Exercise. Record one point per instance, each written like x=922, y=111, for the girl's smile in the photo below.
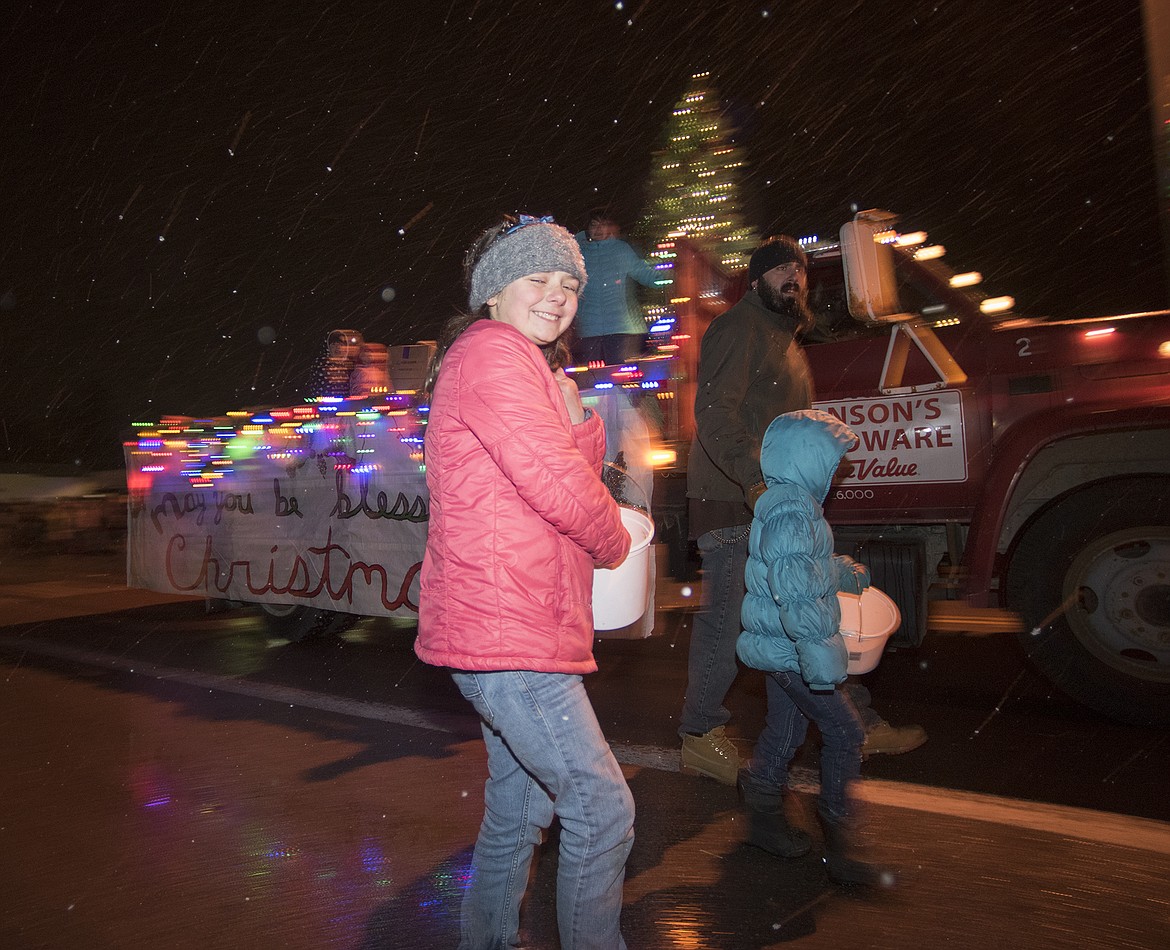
x=541, y=306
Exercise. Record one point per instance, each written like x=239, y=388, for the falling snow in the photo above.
x=196, y=195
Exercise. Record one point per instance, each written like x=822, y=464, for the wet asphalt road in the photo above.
x=177, y=778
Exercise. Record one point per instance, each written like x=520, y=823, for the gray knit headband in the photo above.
x=532, y=247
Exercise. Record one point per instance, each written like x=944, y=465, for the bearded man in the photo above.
x=751, y=369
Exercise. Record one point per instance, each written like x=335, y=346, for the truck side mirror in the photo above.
x=869, y=268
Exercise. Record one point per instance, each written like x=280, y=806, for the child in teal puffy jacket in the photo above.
x=791, y=629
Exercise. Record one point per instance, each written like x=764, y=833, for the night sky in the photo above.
x=195, y=192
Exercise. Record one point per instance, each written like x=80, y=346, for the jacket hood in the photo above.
x=804, y=448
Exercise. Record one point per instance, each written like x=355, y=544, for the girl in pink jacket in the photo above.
x=519, y=518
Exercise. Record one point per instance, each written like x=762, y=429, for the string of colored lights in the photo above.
x=349, y=434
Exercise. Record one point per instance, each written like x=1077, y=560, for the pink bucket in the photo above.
x=867, y=620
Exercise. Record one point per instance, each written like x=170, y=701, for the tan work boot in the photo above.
x=711, y=754
x=884, y=739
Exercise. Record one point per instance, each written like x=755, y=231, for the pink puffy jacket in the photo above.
x=519, y=515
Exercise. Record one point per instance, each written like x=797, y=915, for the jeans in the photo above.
x=711, y=664
x=859, y=695
x=791, y=704
x=546, y=756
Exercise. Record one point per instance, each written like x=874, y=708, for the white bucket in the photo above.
x=620, y=594
x=866, y=624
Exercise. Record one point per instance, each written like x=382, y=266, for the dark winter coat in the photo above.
x=791, y=618
x=750, y=371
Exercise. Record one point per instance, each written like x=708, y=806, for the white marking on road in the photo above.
x=1083, y=824
x=1080, y=823
x=53, y=590
x=288, y=695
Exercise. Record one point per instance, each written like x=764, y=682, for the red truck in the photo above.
x=1012, y=473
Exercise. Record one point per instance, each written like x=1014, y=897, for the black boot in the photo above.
x=768, y=828
x=841, y=864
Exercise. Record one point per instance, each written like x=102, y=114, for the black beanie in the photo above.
x=775, y=251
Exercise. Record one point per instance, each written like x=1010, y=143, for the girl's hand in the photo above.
x=571, y=396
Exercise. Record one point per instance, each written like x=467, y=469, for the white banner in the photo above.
x=904, y=439
x=304, y=517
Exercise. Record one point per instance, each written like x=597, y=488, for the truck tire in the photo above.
x=1102, y=553
x=298, y=622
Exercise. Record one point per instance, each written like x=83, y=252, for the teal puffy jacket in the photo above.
x=791, y=618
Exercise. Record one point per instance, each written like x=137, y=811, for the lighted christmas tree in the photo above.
x=694, y=184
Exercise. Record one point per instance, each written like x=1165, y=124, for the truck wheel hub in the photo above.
x=1119, y=591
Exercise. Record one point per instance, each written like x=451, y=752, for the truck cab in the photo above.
x=1012, y=474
